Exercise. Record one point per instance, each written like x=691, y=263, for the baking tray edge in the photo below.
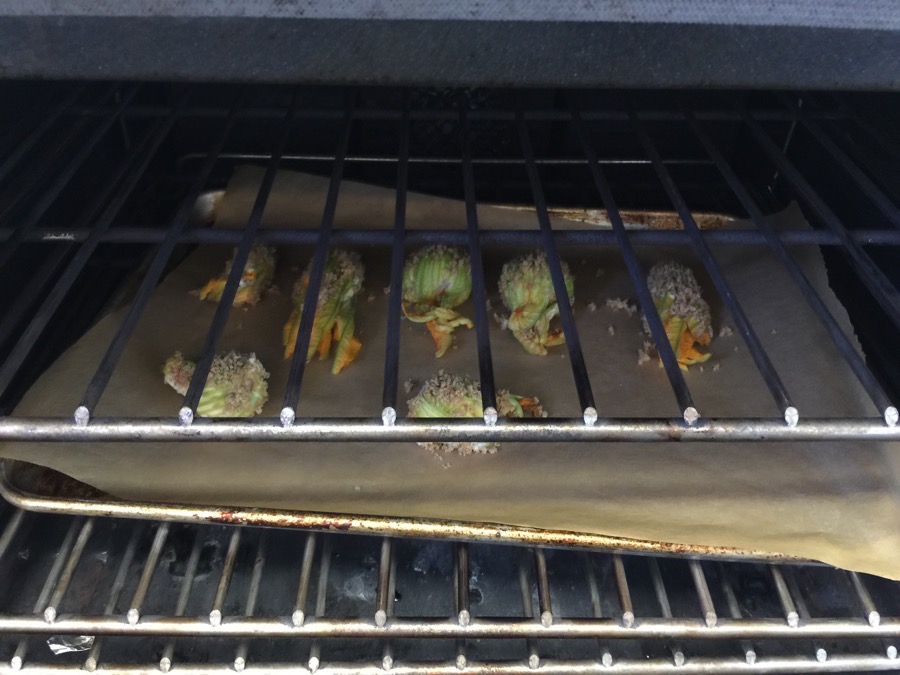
x=65, y=501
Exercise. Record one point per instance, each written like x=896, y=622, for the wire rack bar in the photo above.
x=573, y=342
x=316, y=274
x=461, y=583
x=734, y=611
x=479, y=293
x=332, y=429
x=309, y=551
x=243, y=649
x=606, y=657
x=215, y=614
x=10, y=530
x=534, y=658
x=694, y=666
x=776, y=114
x=131, y=234
x=638, y=277
x=315, y=650
x=115, y=592
x=68, y=571
x=140, y=594
x=666, y=628
x=165, y=661
x=395, y=301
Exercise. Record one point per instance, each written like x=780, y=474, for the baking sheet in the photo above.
x=835, y=502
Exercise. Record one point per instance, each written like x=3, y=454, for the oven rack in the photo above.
x=152, y=592
x=91, y=115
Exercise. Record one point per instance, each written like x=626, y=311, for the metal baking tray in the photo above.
x=36, y=488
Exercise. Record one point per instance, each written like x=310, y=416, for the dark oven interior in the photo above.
x=92, y=177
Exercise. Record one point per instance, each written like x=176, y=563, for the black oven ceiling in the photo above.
x=812, y=44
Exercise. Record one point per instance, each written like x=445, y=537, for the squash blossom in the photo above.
x=236, y=386
x=335, y=311
x=435, y=280
x=447, y=395
x=257, y=277
x=683, y=311
x=527, y=291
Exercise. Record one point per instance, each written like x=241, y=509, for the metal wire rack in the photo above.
x=90, y=118
x=157, y=596
x=134, y=597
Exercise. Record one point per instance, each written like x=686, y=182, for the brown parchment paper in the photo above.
x=835, y=502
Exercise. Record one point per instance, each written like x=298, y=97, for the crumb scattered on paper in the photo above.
x=387, y=290
x=644, y=353
x=408, y=386
x=599, y=272
x=592, y=306
x=371, y=297
x=716, y=367
x=701, y=369
x=611, y=330
x=621, y=305
x=726, y=331
x=502, y=320
x=736, y=348
x=488, y=305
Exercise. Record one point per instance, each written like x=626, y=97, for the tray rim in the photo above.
x=372, y=525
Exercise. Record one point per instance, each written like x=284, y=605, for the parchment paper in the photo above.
x=835, y=502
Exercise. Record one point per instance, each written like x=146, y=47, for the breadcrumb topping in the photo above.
x=343, y=277
x=528, y=270
x=644, y=353
x=677, y=282
x=447, y=395
x=236, y=385
x=453, y=259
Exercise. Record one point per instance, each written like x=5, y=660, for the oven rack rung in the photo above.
x=337, y=429
x=700, y=665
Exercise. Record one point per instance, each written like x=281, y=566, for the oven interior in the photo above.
x=160, y=596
